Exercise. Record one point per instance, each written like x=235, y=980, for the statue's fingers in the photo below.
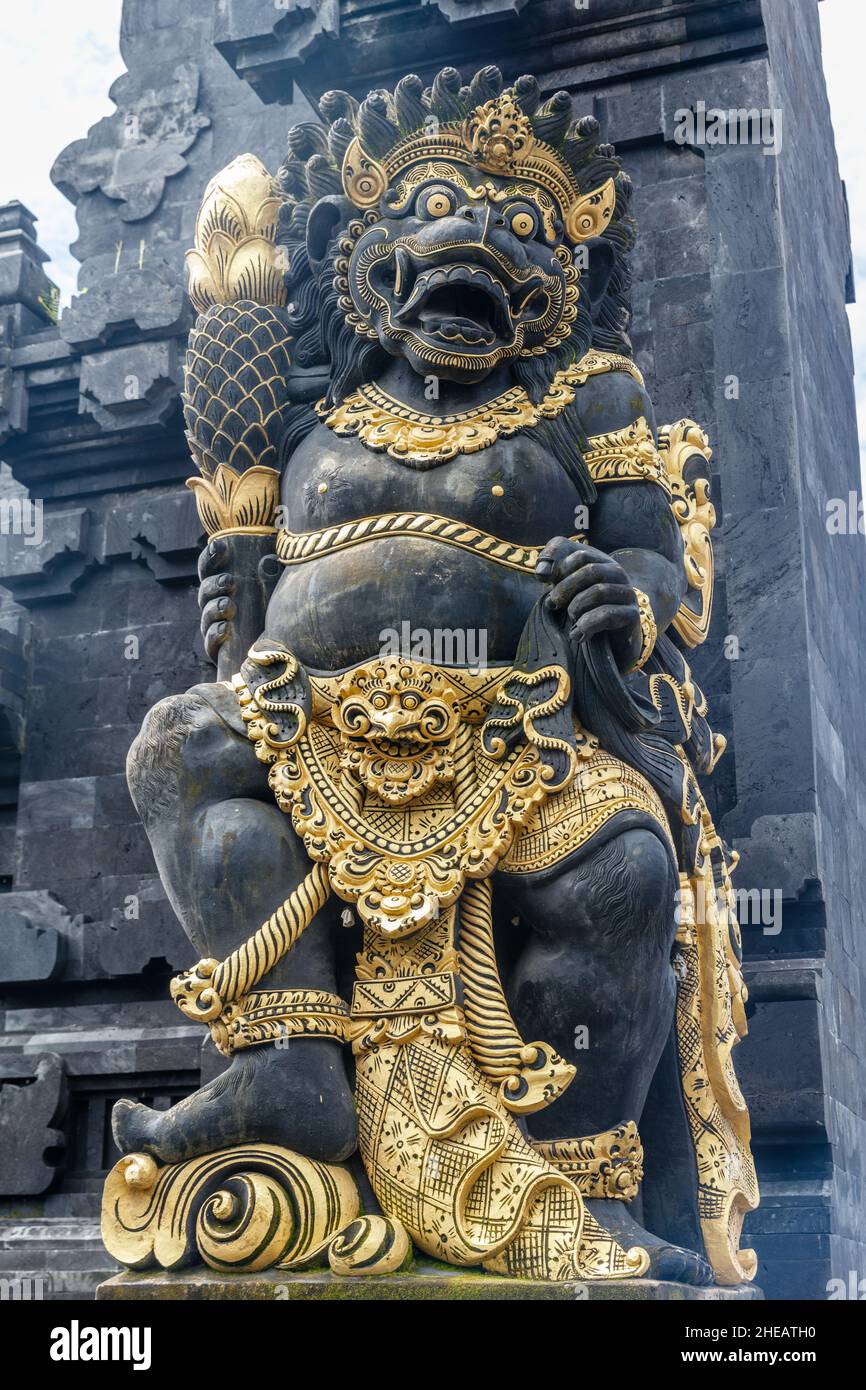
x=600, y=596
x=214, y=638
x=214, y=587
x=583, y=578
x=219, y=610
x=214, y=557
x=551, y=555
x=607, y=619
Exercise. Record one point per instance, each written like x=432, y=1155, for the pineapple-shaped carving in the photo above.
x=238, y=359
x=235, y=396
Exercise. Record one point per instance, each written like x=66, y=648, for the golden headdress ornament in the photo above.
x=496, y=137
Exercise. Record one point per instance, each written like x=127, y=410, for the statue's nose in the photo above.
x=391, y=722
x=482, y=215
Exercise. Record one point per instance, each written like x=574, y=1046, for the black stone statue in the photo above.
x=443, y=798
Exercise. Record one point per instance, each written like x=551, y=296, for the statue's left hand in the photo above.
x=237, y=575
x=596, y=594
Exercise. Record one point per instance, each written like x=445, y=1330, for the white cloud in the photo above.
x=59, y=60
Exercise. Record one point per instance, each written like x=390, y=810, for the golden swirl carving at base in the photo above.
x=247, y=1208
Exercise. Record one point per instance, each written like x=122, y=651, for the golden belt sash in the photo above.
x=295, y=547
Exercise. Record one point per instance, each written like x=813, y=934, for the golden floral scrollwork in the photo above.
x=607, y=1165
x=364, y=179
x=401, y=863
x=228, y=502
x=424, y=441
x=252, y=1207
x=498, y=135
x=384, y=423
x=626, y=456
x=679, y=445
x=235, y=254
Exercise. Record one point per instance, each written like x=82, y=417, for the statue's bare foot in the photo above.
x=670, y=1262
x=297, y=1095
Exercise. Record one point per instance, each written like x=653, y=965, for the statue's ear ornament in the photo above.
x=590, y=215
x=364, y=179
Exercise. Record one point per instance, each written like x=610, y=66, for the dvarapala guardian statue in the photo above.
x=411, y=398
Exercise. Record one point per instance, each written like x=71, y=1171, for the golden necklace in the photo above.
x=423, y=441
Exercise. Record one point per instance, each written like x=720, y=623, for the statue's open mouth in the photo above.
x=458, y=304
x=473, y=305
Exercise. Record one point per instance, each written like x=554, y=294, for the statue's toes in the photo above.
x=671, y=1262
x=130, y=1125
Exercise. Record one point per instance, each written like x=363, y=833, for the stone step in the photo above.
x=77, y=1258
x=48, y=1231
x=58, y=1257
x=61, y=1285
x=68, y=1205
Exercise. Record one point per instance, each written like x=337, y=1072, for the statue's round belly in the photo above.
x=345, y=606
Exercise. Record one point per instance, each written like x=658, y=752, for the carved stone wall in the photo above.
x=741, y=271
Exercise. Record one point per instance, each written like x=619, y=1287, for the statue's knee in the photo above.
x=650, y=863
x=155, y=765
x=634, y=886
x=622, y=889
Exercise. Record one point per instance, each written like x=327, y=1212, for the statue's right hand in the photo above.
x=216, y=594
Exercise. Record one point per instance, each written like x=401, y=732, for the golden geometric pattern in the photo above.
x=710, y=1019
x=454, y=1169
x=603, y=787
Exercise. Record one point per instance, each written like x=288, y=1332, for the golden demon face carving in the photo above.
x=460, y=270
x=399, y=724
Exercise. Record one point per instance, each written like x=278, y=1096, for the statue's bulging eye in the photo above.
x=436, y=203
x=523, y=223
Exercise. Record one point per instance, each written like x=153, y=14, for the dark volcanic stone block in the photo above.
x=31, y=947
x=32, y=1100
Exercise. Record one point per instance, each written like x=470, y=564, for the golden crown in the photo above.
x=497, y=138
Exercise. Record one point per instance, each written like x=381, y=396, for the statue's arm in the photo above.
x=629, y=578
x=634, y=525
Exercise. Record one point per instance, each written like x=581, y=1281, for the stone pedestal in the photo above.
x=425, y=1280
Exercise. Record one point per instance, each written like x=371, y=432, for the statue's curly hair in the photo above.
x=312, y=170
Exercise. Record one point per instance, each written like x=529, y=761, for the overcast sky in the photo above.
x=59, y=60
